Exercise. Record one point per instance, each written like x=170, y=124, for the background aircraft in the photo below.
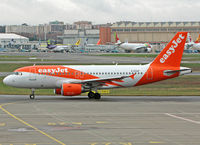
x=86, y=43
x=73, y=80
x=62, y=48
x=191, y=44
x=133, y=47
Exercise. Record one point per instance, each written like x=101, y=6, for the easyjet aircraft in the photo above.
x=74, y=80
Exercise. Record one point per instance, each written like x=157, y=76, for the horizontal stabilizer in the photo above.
x=183, y=70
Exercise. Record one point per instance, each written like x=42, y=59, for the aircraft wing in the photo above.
x=140, y=48
x=100, y=81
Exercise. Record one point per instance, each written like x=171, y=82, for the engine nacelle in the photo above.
x=57, y=91
x=149, y=50
x=71, y=89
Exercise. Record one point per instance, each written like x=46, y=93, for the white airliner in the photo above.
x=133, y=47
x=76, y=79
x=62, y=48
x=191, y=44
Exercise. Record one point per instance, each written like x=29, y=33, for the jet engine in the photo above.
x=71, y=89
x=149, y=50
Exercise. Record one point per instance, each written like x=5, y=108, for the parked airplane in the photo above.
x=135, y=47
x=62, y=48
x=76, y=79
x=98, y=43
x=191, y=43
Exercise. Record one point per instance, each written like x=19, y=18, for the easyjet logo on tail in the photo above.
x=172, y=48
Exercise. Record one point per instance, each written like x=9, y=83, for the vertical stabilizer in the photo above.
x=171, y=55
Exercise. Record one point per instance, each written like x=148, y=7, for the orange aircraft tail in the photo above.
x=99, y=42
x=198, y=39
x=171, y=55
x=167, y=64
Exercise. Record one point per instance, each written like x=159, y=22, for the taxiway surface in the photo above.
x=120, y=120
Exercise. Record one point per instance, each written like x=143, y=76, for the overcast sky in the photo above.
x=35, y=12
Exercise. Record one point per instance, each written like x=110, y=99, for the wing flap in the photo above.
x=101, y=80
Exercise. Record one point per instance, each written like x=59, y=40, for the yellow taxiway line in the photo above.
x=33, y=127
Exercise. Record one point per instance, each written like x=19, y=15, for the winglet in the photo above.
x=171, y=55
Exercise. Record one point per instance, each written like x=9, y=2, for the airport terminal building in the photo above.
x=71, y=36
x=152, y=32
x=9, y=40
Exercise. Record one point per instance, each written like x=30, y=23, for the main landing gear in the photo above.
x=92, y=95
x=32, y=96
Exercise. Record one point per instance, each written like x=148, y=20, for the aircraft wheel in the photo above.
x=32, y=96
x=97, y=96
x=91, y=95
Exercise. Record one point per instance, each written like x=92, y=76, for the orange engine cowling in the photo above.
x=71, y=89
x=57, y=91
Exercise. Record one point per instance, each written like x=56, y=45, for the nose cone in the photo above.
x=7, y=80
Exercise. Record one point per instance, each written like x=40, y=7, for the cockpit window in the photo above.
x=17, y=73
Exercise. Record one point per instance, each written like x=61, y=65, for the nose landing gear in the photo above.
x=32, y=96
